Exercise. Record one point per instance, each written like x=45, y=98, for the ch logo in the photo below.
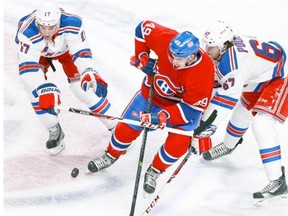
x=164, y=86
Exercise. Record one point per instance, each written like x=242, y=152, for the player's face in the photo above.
x=48, y=31
x=178, y=62
x=213, y=52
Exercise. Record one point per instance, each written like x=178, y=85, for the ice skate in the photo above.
x=55, y=142
x=150, y=178
x=101, y=162
x=219, y=150
x=275, y=189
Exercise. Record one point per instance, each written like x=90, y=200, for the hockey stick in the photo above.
x=142, y=151
x=128, y=121
x=51, y=64
x=191, y=150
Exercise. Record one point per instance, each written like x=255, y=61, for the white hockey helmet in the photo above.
x=48, y=14
x=217, y=34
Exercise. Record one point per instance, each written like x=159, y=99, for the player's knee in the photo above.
x=125, y=134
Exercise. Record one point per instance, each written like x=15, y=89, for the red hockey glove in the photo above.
x=161, y=118
x=49, y=97
x=144, y=63
x=90, y=79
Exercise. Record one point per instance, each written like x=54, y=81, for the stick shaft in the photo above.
x=128, y=121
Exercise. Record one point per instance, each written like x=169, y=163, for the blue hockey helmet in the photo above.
x=184, y=45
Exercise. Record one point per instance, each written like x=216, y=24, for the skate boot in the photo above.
x=275, y=188
x=219, y=151
x=101, y=162
x=55, y=142
x=150, y=178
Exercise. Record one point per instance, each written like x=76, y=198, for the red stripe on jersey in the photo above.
x=235, y=131
x=36, y=37
x=85, y=53
x=279, y=67
x=232, y=59
x=23, y=28
x=224, y=101
x=102, y=107
x=26, y=67
x=218, y=73
x=268, y=155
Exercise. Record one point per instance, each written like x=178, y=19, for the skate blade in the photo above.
x=271, y=200
x=146, y=195
x=57, y=149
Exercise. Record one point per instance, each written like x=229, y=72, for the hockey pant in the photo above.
x=173, y=148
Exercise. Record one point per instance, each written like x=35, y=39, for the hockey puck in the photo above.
x=75, y=172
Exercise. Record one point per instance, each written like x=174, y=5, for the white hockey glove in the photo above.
x=209, y=131
x=90, y=79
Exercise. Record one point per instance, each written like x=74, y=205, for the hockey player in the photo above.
x=48, y=34
x=254, y=84
x=183, y=85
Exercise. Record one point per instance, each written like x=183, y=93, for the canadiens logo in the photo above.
x=135, y=114
x=164, y=86
x=190, y=44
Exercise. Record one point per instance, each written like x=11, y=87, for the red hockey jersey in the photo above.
x=180, y=92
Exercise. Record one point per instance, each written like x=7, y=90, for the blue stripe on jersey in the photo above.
x=84, y=53
x=278, y=71
x=68, y=29
x=30, y=29
x=259, y=87
x=37, y=110
x=72, y=20
x=190, y=114
x=105, y=109
x=28, y=67
x=166, y=157
x=224, y=101
x=270, y=154
x=271, y=159
x=118, y=145
x=101, y=106
x=69, y=23
x=19, y=26
x=40, y=112
x=37, y=38
x=235, y=131
x=269, y=150
x=138, y=31
x=228, y=62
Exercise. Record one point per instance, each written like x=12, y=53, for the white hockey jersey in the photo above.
x=70, y=37
x=245, y=67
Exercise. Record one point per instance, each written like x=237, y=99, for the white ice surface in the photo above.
x=36, y=183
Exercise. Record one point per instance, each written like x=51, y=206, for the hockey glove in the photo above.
x=143, y=62
x=49, y=97
x=209, y=131
x=90, y=79
x=161, y=118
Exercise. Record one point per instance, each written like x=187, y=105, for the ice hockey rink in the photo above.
x=36, y=183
